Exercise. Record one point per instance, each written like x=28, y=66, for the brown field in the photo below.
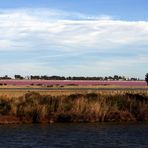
x=18, y=93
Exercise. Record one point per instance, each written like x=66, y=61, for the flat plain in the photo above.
x=16, y=88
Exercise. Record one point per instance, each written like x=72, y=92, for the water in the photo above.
x=74, y=135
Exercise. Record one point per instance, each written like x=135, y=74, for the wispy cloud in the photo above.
x=68, y=34
x=32, y=29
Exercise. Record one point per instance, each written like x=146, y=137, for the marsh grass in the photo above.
x=34, y=107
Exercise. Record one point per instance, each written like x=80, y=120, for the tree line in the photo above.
x=45, y=77
x=146, y=78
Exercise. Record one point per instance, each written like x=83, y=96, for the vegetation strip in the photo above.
x=90, y=107
x=80, y=88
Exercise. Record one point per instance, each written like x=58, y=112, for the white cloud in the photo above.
x=34, y=30
x=29, y=29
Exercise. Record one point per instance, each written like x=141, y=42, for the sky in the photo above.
x=74, y=37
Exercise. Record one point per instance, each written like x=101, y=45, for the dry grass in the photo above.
x=75, y=107
x=18, y=93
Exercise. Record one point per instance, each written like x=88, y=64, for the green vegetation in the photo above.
x=45, y=77
x=146, y=78
x=92, y=107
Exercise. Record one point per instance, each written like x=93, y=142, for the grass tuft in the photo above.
x=33, y=107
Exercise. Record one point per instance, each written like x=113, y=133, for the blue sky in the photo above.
x=74, y=37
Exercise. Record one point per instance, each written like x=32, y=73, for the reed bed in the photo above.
x=34, y=107
x=115, y=90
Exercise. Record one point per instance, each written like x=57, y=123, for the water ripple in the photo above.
x=74, y=135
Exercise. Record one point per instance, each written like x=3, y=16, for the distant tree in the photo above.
x=5, y=77
x=18, y=77
x=146, y=78
x=105, y=78
x=116, y=77
x=110, y=78
x=133, y=79
x=35, y=77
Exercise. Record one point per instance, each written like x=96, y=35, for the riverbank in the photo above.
x=90, y=107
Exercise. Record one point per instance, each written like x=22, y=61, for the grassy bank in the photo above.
x=91, y=107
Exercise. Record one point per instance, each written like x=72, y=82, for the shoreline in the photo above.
x=9, y=120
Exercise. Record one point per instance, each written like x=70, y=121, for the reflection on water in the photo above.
x=75, y=135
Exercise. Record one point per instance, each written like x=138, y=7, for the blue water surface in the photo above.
x=75, y=135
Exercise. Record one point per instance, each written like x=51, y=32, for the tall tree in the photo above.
x=146, y=78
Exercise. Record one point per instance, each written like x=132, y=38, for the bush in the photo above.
x=5, y=106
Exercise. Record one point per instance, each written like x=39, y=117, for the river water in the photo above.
x=75, y=135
